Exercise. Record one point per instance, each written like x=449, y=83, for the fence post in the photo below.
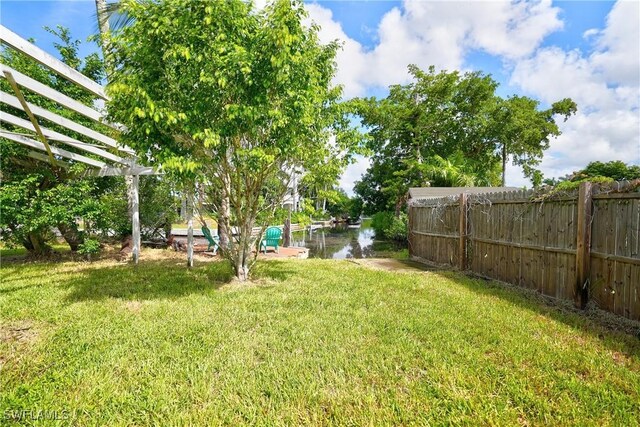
x=583, y=245
x=189, y=229
x=409, y=226
x=462, y=242
x=135, y=217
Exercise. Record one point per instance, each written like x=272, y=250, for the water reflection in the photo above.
x=343, y=242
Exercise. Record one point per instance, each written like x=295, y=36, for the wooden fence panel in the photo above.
x=533, y=243
x=615, y=257
x=435, y=233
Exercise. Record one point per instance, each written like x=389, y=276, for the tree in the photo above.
x=232, y=97
x=450, y=129
x=615, y=169
x=441, y=114
x=523, y=132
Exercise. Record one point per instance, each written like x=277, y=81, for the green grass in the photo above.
x=19, y=251
x=308, y=342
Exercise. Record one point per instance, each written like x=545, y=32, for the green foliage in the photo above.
x=600, y=172
x=355, y=207
x=38, y=202
x=281, y=214
x=233, y=97
x=158, y=207
x=523, y=132
x=89, y=248
x=573, y=185
x=617, y=170
x=390, y=226
x=380, y=221
x=399, y=228
x=339, y=205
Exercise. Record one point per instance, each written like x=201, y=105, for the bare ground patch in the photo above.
x=16, y=338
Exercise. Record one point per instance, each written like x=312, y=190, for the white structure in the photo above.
x=123, y=163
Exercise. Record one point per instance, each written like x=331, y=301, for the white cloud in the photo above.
x=435, y=33
x=604, y=82
x=553, y=74
x=354, y=173
x=619, y=45
x=350, y=59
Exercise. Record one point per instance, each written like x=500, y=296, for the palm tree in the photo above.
x=449, y=172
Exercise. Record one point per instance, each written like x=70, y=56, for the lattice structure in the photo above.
x=104, y=154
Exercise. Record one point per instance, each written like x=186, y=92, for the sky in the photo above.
x=585, y=50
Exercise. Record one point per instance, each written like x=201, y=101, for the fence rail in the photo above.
x=581, y=246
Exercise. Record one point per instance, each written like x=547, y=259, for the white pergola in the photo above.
x=119, y=161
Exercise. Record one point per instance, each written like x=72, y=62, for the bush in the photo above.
x=387, y=225
x=399, y=228
x=89, y=247
x=281, y=214
x=380, y=221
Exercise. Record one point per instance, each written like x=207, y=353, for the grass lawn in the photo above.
x=307, y=342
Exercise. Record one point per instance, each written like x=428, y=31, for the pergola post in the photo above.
x=135, y=218
x=189, y=229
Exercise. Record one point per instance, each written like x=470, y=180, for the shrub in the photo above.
x=380, y=221
x=387, y=225
x=89, y=247
x=398, y=229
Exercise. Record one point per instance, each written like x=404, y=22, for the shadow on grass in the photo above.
x=273, y=269
x=616, y=333
x=160, y=279
x=148, y=280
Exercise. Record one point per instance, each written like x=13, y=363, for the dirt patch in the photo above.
x=390, y=264
x=133, y=306
x=15, y=339
x=22, y=332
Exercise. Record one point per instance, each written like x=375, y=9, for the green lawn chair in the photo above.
x=214, y=241
x=271, y=238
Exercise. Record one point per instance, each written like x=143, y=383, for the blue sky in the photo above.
x=586, y=50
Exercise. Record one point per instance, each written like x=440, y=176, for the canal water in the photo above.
x=342, y=242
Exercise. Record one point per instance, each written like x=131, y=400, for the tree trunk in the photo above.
x=504, y=163
x=183, y=206
x=36, y=244
x=224, y=221
x=287, y=231
x=243, y=252
x=103, y=25
x=71, y=235
x=242, y=269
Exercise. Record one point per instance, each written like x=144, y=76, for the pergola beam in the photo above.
x=64, y=122
x=17, y=80
x=114, y=171
x=53, y=135
x=42, y=157
x=20, y=139
x=29, y=49
x=32, y=118
x=54, y=95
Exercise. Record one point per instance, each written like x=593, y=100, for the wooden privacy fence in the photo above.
x=581, y=245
